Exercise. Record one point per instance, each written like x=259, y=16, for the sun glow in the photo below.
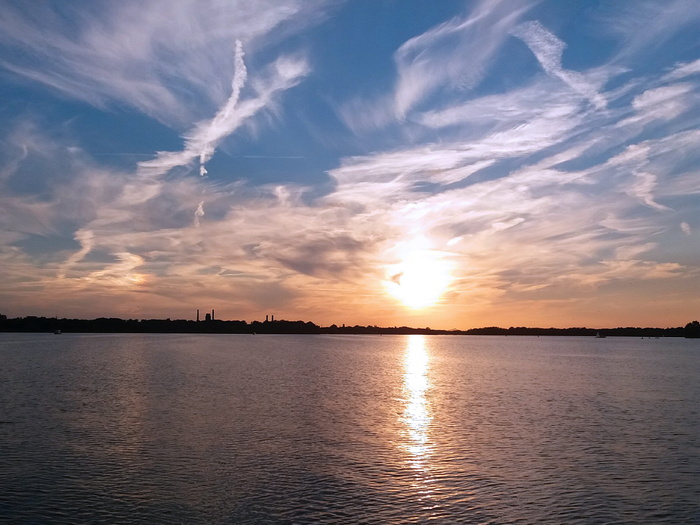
x=420, y=280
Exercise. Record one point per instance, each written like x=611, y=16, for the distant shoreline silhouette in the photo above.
x=217, y=326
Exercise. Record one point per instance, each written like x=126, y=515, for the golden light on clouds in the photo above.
x=439, y=192
x=121, y=274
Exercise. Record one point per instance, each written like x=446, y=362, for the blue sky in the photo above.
x=444, y=164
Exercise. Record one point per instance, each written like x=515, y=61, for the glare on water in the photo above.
x=416, y=416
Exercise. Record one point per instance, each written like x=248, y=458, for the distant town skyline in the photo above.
x=449, y=164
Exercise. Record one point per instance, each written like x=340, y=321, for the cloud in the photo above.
x=120, y=273
x=198, y=214
x=85, y=238
x=504, y=110
x=549, y=49
x=643, y=188
x=659, y=103
x=682, y=71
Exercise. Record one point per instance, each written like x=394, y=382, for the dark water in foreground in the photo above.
x=348, y=429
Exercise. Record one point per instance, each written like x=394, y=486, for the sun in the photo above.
x=420, y=280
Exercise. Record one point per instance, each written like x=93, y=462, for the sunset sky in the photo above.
x=450, y=164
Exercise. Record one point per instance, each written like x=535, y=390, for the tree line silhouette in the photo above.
x=116, y=325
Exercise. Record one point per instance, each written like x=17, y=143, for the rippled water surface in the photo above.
x=348, y=429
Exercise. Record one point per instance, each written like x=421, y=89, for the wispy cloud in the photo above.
x=549, y=49
x=437, y=57
x=643, y=27
x=129, y=53
x=683, y=70
x=437, y=61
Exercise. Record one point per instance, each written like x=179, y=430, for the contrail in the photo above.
x=202, y=140
x=221, y=125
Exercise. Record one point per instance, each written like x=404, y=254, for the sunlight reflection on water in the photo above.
x=417, y=415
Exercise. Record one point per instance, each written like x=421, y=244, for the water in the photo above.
x=348, y=429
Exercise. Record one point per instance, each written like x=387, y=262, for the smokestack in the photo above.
x=197, y=314
x=266, y=318
x=272, y=317
x=212, y=314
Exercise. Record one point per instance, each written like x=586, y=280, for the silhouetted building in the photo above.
x=207, y=317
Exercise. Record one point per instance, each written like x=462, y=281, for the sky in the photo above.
x=449, y=164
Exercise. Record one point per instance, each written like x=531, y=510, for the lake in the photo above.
x=153, y=428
